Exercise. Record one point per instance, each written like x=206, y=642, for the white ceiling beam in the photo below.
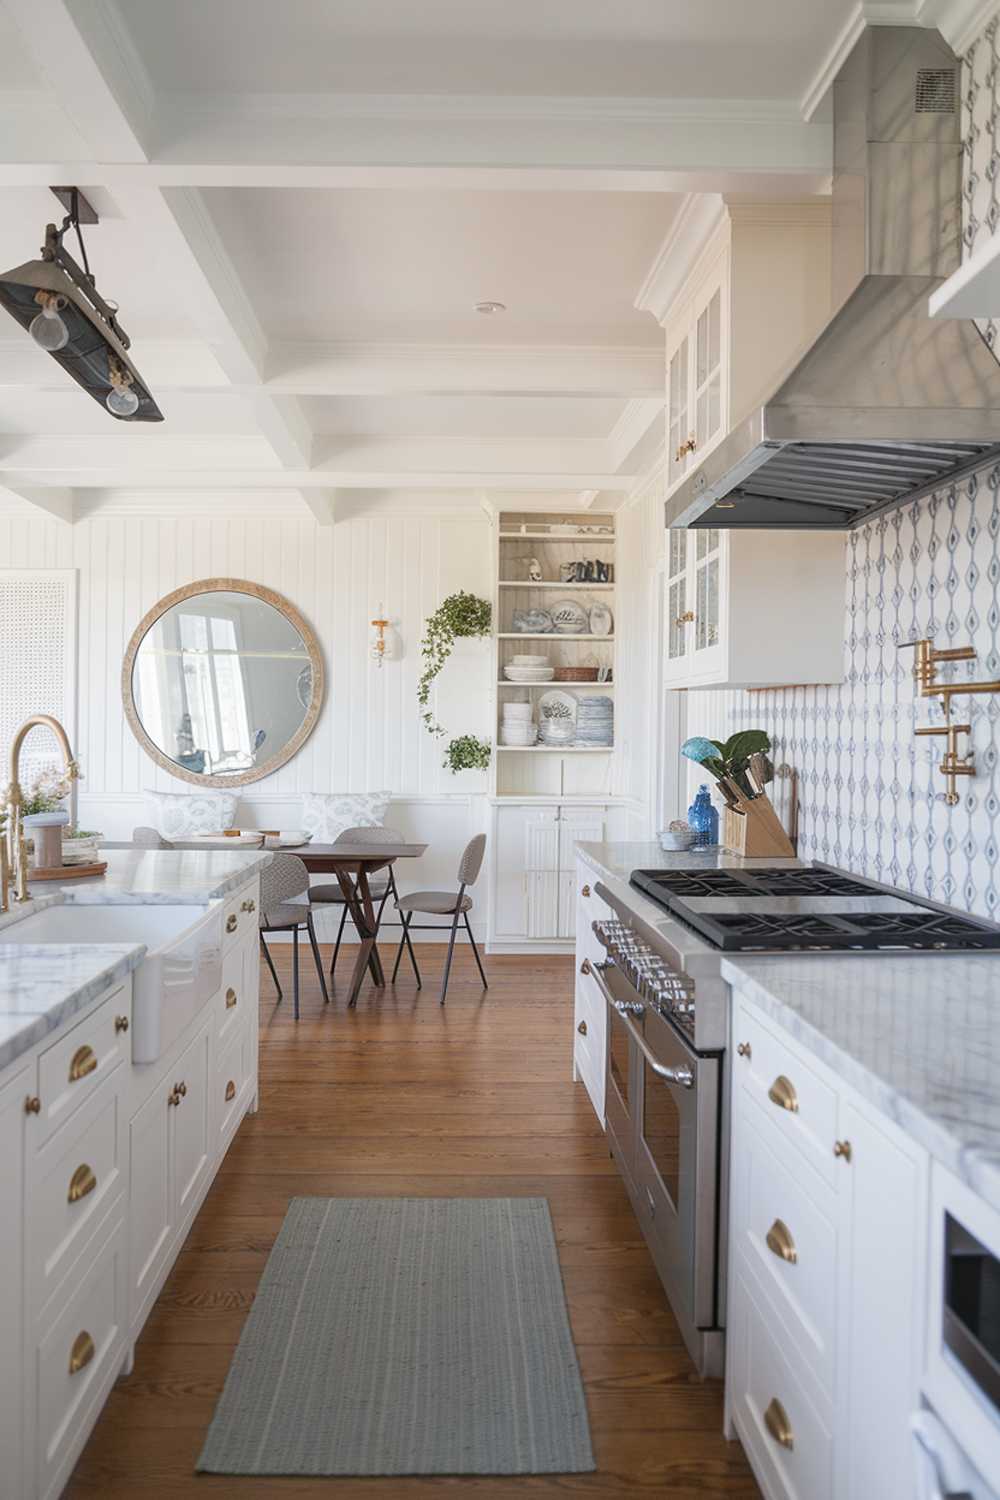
x=56, y=502
x=321, y=503
x=144, y=475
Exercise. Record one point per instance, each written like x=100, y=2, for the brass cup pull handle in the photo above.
x=230, y=1091
x=173, y=1098
x=248, y=905
x=782, y=1093
x=686, y=618
x=182, y=1088
x=842, y=1148
x=81, y=1183
x=84, y=1061
x=231, y=922
x=585, y=890
x=121, y=1023
x=779, y=1241
x=585, y=966
x=81, y=1353
x=32, y=1105
x=230, y=998
x=777, y=1423
x=744, y=1050
x=582, y=1028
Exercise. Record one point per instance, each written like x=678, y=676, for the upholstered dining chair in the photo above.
x=454, y=904
x=381, y=886
x=280, y=882
x=148, y=838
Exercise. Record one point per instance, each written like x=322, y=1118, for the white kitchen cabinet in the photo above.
x=698, y=340
x=753, y=608
x=151, y=1202
x=827, y=1275
x=589, y=1010
x=534, y=880
x=14, y=1412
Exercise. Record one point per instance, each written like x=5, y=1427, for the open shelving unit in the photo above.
x=561, y=771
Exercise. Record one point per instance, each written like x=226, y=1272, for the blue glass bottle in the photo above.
x=704, y=819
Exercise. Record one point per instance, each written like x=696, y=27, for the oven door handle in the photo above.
x=683, y=1077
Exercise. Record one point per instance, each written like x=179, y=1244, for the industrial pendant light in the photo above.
x=58, y=303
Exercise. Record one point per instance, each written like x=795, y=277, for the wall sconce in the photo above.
x=384, y=639
x=926, y=661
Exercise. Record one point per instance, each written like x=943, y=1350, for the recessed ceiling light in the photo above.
x=489, y=308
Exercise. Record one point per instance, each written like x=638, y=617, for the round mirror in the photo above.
x=222, y=682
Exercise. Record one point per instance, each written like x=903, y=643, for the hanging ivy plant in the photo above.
x=460, y=615
x=468, y=754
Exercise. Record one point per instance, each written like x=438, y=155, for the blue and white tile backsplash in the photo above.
x=869, y=790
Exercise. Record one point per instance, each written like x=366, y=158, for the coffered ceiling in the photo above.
x=300, y=205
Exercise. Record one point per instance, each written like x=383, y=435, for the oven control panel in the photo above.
x=654, y=981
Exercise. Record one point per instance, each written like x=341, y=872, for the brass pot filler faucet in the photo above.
x=926, y=660
x=13, y=848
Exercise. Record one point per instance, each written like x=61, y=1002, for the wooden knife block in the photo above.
x=756, y=831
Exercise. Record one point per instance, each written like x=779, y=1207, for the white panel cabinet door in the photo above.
x=883, y=1294
x=525, y=837
x=151, y=1211
x=191, y=1141
x=13, y=1389
x=577, y=825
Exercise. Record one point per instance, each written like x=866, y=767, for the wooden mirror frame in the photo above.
x=228, y=586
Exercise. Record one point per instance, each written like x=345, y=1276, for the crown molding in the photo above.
x=698, y=218
x=783, y=213
x=960, y=22
x=888, y=13
x=637, y=416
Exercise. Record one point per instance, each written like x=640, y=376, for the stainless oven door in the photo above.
x=671, y=1116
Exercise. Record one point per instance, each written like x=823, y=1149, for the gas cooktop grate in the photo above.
x=685, y=883
x=743, y=931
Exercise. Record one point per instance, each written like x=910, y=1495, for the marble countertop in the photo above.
x=151, y=877
x=44, y=984
x=917, y=1035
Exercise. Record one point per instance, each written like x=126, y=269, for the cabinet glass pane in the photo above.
x=618, y=1055
x=676, y=628
x=678, y=419
x=677, y=556
x=708, y=370
x=707, y=606
x=661, y=1130
x=707, y=541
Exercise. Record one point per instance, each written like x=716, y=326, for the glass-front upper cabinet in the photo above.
x=678, y=616
x=697, y=372
x=694, y=624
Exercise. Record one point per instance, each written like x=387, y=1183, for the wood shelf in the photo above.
x=551, y=635
x=545, y=687
x=555, y=749
x=569, y=588
x=578, y=539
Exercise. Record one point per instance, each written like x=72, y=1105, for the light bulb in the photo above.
x=49, y=331
x=122, y=401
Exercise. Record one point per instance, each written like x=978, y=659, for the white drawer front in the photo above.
x=240, y=916
x=71, y=1069
x=770, y=1072
x=75, y=1180
x=233, y=1004
x=767, y=1390
x=74, y=1357
x=229, y=1083
x=790, y=1245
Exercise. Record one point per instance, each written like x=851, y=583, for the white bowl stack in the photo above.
x=528, y=669
x=517, y=727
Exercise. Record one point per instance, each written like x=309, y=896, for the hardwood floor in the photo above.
x=401, y=1096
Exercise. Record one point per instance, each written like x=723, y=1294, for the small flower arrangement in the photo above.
x=50, y=787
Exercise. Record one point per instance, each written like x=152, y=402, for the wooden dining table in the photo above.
x=353, y=864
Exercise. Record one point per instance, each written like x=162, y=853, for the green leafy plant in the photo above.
x=460, y=615
x=467, y=753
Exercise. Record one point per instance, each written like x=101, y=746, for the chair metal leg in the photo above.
x=482, y=973
x=447, y=962
x=295, y=970
x=316, y=958
x=407, y=942
x=270, y=965
x=340, y=934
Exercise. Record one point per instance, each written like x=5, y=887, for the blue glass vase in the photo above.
x=704, y=819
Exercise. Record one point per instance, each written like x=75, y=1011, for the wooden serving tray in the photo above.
x=66, y=872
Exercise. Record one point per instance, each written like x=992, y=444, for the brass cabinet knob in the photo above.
x=231, y=922
x=686, y=618
x=782, y=1093
x=32, y=1105
x=84, y=1061
x=121, y=1023
x=173, y=1098
x=585, y=966
x=230, y=998
x=842, y=1148
x=777, y=1423
x=81, y=1353
x=585, y=890
x=744, y=1050
x=230, y=1090
x=177, y=1093
x=248, y=905
x=82, y=1183
x=780, y=1243
x=182, y=1088
x=582, y=1028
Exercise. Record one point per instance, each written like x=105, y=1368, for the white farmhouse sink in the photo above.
x=181, y=971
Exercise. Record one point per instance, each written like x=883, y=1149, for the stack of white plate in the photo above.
x=595, y=721
x=516, y=727
x=529, y=669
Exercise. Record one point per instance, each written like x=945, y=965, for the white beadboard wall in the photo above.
x=369, y=733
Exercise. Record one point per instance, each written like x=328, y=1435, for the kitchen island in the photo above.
x=125, y=1070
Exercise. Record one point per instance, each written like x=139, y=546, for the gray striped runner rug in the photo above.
x=405, y=1336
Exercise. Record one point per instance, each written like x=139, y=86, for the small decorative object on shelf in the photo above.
x=569, y=618
x=534, y=570
x=601, y=620
x=531, y=621
x=703, y=820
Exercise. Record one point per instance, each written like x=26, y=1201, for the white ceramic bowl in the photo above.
x=529, y=661
x=672, y=842
x=517, y=713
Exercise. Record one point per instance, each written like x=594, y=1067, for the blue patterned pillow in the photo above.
x=326, y=815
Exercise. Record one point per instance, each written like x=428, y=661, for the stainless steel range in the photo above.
x=668, y=1015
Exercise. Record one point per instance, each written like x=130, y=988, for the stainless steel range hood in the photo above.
x=887, y=404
